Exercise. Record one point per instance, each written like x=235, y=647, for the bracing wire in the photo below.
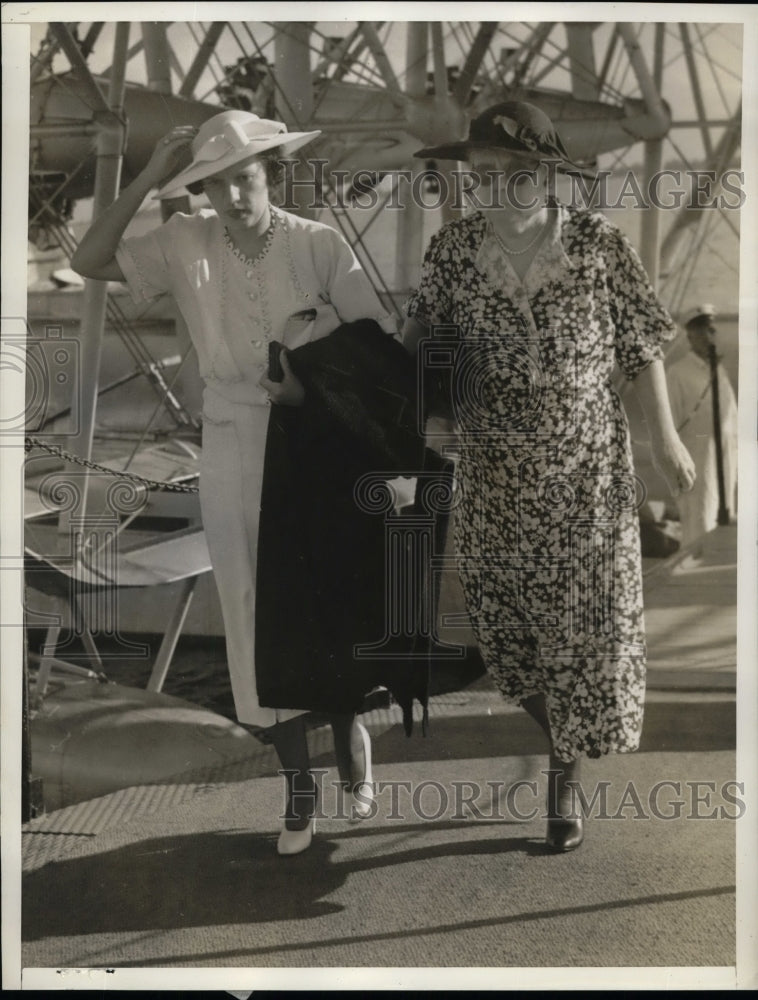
x=342, y=221
x=133, y=343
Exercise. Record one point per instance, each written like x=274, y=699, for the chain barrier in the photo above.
x=151, y=484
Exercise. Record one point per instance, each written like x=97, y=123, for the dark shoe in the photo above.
x=565, y=824
x=564, y=834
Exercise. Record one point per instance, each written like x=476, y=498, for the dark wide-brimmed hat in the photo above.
x=515, y=126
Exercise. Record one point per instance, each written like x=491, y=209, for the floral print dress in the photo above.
x=546, y=526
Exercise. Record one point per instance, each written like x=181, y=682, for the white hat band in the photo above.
x=235, y=138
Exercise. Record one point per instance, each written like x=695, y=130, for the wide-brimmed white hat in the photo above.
x=227, y=139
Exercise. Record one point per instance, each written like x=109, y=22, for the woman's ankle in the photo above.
x=302, y=796
x=343, y=730
x=561, y=790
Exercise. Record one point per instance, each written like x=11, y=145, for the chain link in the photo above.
x=151, y=484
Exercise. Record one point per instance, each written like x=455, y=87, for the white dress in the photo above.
x=689, y=385
x=233, y=310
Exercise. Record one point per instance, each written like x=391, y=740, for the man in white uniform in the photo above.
x=691, y=397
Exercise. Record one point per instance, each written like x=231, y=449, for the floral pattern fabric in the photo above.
x=546, y=527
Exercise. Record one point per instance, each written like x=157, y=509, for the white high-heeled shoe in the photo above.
x=363, y=790
x=296, y=841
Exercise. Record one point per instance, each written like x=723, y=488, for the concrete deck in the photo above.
x=451, y=873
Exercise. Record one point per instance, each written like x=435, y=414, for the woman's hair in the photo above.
x=274, y=173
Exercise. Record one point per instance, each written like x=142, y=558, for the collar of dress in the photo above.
x=550, y=263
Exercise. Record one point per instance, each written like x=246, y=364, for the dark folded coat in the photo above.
x=321, y=578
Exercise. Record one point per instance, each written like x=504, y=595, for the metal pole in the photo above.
x=294, y=95
x=474, y=60
x=131, y=53
x=650, y=88
x=369, y=32
x=76, y=130
x=723, y=514
x=650, y=92
x=158, y=65
x=697, y=94
x=650, y=225
x=438, y=61
x=157, y=56
x=68, y=43
x=294, y=101
x=650, y=238
x=336, y=55
x=410, y=223
x=691, y=213
x=441, y=99
x=110, y=146
x=91, y=37
x=584, y=83
x=171, y=636
x=42, y=62
x=201, y=59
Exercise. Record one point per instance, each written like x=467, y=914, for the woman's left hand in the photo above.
x=288, y=392
x=674, y=463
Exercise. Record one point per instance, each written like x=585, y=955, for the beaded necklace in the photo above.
x=517, y=253
x=252, y=261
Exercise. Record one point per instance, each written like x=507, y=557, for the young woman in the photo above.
x=244, y=274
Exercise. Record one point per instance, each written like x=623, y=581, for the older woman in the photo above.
x=244, y=274
x=543, y=300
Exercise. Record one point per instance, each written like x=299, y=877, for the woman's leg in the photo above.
x=348, y=748
x=535, y=706
x=560, y=795
x=291, y=745
x=352, y=748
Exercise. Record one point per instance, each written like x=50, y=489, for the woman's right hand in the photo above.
x=170, y=154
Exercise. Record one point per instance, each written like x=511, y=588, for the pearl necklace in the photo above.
x=517, y=253
x=252, y=261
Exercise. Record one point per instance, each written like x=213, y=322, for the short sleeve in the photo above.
x=144, y=266
x=345, y=281
x=145, y=260
x=642, y=324
x=431, y=303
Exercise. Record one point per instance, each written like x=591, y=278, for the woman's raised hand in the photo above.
x=170, y=154
x=95, y=257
